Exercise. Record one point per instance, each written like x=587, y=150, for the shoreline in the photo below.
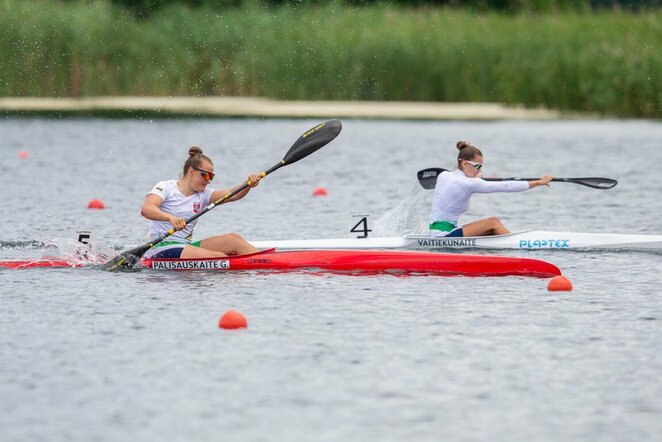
x=269, y=108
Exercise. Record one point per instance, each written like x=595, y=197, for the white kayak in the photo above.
x=524, y=240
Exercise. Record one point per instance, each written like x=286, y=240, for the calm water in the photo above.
x=90, y=355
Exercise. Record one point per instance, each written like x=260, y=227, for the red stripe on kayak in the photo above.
x=27, y=264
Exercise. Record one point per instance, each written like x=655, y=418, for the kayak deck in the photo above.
x=524, y=240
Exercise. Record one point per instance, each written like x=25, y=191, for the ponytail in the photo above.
x=466, y=151
x=195, y=157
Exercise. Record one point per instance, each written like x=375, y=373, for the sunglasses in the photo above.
x=476, y=165
x=209, y=176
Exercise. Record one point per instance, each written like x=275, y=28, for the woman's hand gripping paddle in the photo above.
x=311, y=141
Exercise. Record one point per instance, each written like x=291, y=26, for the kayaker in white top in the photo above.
x=454, y=189
x=171, y=202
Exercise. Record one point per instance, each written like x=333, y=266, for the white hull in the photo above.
x=525, y=240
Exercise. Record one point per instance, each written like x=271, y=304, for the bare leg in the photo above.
x=484, y=227
x=192, y=252
x=229, y=244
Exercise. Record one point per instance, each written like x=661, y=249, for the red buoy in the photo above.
x=319, y=191
x=232, y=319
x=23, y=154
x=559, y=284
x=96, y=204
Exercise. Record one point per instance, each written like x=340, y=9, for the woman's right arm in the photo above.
x=481, y=186
x=541, y=182
x=152, y=210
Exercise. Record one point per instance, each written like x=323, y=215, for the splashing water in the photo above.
x=68, y=249
x=410, y=216
x=85, y=254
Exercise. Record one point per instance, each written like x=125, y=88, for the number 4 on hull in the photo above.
x=362, y=223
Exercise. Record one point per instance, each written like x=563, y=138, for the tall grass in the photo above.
x=607, y=62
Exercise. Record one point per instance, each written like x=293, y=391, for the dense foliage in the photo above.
x=144, y=8
x=608, y=62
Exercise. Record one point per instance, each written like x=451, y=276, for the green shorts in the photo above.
x=171, y=243
x=444, y=226
x=169, y=249
x=448, y=228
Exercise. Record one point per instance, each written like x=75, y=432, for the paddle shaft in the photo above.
x=130, y=257
x=561, y=180
x=428, y=179
x=218, y=202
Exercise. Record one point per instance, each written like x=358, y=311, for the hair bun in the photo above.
x=462, y=144
x=194, y=150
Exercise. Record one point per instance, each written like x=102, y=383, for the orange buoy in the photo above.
x=559, y=284
x=23, y=154
x=320, y=191
x=232, y=319
x=96, y=204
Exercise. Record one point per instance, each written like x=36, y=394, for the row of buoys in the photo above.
x=93, y=204
x=232, y=319
x=98, y=204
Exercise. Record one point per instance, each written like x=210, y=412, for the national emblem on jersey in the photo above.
x=196, y=207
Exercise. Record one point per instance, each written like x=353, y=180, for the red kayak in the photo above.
x=371, y=261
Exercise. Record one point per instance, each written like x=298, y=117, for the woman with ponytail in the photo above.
x=171, y=202
x=453, y=192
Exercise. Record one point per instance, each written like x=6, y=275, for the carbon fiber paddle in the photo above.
x=428, y=179
x=311, y=141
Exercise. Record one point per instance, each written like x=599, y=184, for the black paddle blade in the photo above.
x=594, y=182
x=428, y=177
x=126, y=260
x=313, y=140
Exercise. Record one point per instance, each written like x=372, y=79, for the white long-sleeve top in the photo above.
x=454, y=189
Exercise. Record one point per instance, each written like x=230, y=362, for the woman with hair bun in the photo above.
x=171, y=202
x=453, y=193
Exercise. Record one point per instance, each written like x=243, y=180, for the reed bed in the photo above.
x=607, y=62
